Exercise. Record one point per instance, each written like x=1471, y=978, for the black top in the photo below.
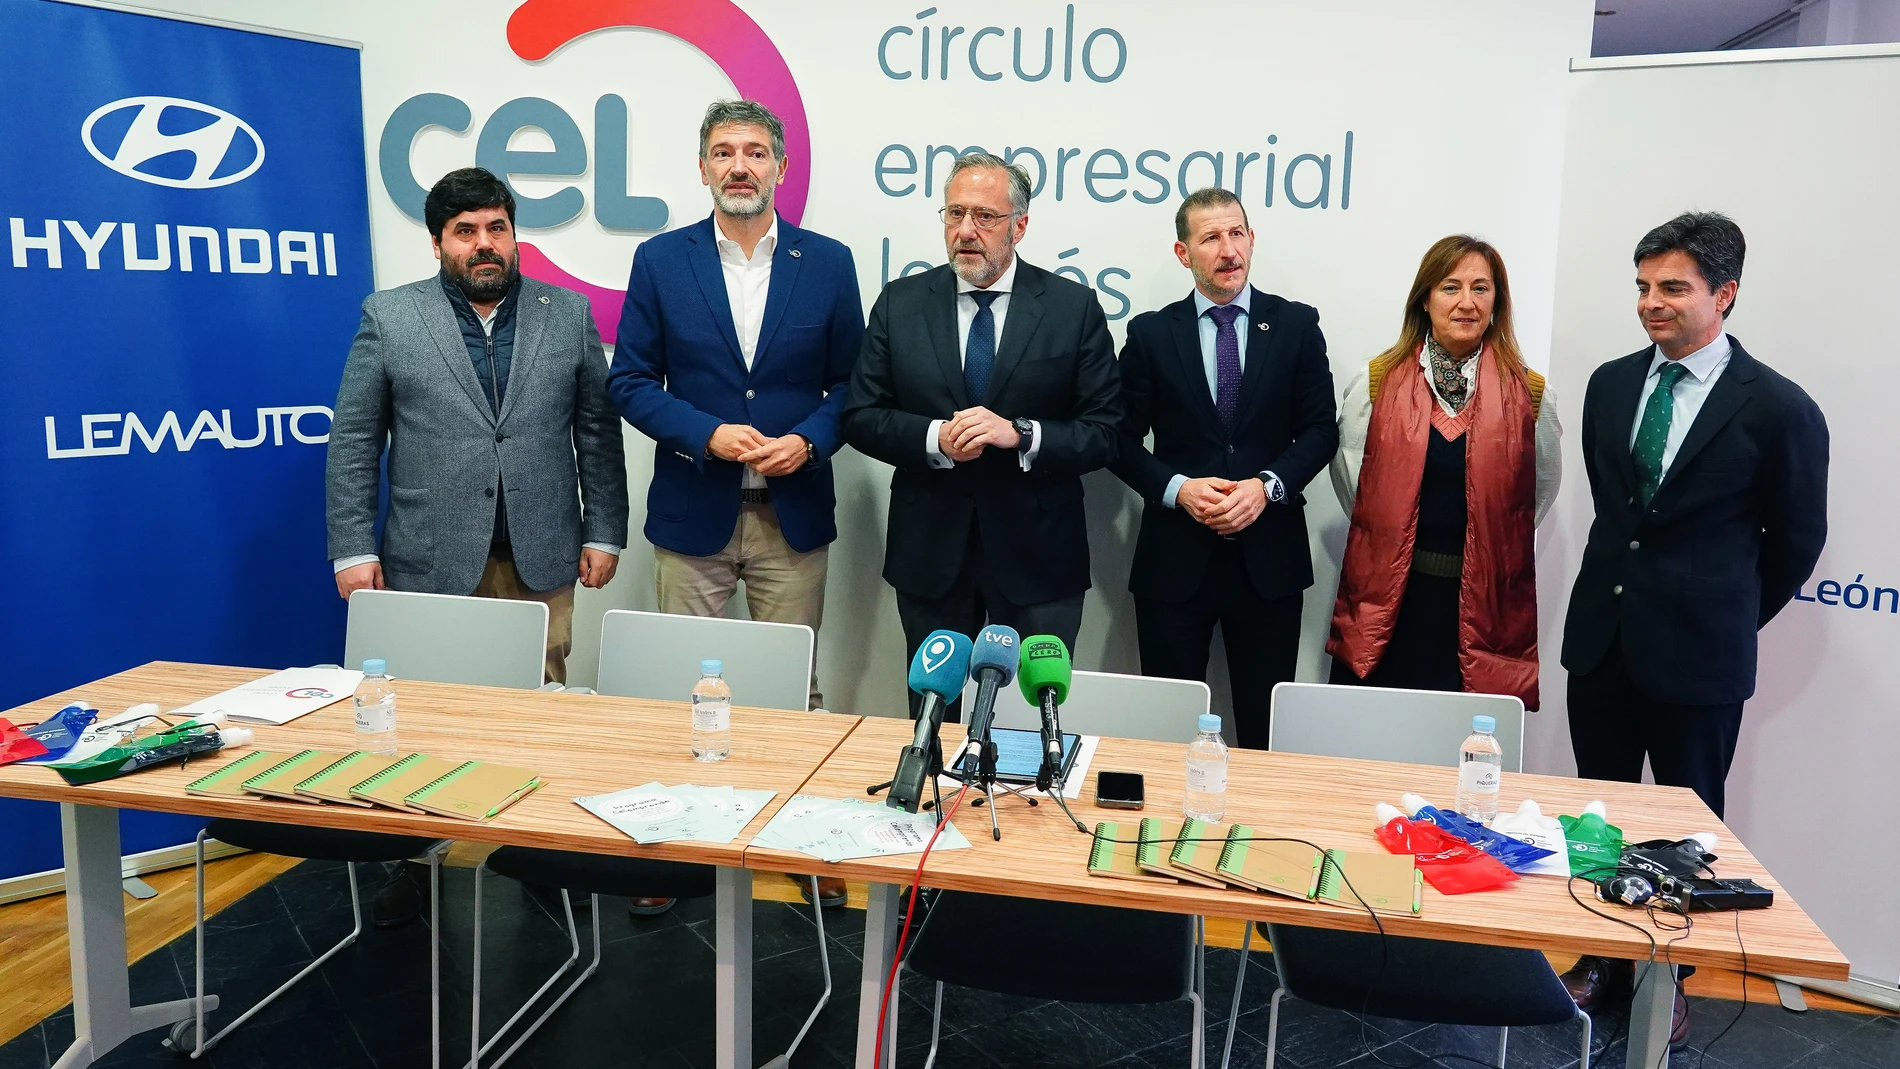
x=1441, y=496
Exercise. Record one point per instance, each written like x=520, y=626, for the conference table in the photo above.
x=579, y=744
x=589, y=744
x=1328, y=801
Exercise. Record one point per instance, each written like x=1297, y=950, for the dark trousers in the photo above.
x=1262, y=636
x=1614, y=725
x=972, y=601
x=1422, y=652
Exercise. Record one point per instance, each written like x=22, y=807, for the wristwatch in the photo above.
x=811, y=451
x=1026, y=432
x=1276, y=490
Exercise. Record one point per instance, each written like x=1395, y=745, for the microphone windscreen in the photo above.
x=1045, y=663
x=996, y=647
x=941, y=665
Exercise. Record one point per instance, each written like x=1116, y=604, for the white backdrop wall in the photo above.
x=1420, y=120
x=1796, y=153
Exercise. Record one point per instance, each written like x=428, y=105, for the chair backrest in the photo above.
x=446, y=639
x=657, y=655
x=1105, y=703
x=1421, y=727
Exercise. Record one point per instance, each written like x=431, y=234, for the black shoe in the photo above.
x=648, y=907
x=400, y=900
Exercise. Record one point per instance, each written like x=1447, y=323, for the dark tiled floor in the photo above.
x=651, y=1005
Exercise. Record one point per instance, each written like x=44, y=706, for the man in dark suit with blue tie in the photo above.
x=991, y=386
x=1235, y=385
x=735, y=347
x=1709, y=474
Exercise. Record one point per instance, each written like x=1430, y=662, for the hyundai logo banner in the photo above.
x=184, y=254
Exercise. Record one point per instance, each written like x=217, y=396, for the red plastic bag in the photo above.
x=16, y=744
x=1450, y=864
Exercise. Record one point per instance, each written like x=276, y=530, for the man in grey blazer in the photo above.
x=506, y=477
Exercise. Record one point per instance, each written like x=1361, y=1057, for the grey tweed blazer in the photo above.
x=555, y=448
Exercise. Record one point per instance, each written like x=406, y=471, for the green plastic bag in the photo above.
x=1596, y=845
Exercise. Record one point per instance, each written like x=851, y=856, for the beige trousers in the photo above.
x=782, y=585
x=500, y=580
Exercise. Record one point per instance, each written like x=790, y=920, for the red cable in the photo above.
x=897, y=956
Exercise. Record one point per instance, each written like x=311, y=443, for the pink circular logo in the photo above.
x=727, y=36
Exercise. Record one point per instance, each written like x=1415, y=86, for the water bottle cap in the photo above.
x=711, y=667
x=1210, y=722
x=375, y=666
x=1486, y=724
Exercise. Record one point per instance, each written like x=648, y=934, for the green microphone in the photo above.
x=1044, y=674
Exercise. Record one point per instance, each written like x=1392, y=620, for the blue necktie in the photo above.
x=1226, y=364
x=979, y=353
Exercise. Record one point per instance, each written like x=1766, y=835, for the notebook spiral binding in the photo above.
x=1102, y=850
x=374, y=781
x=439, y=780
x=291, y=760
x=235, y=766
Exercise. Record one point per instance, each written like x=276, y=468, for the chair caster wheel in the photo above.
x=183, y=1038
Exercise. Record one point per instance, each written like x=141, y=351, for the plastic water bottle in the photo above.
x=375, y=701
x=712, y=713
x=1206, y=797
x=1480, y=760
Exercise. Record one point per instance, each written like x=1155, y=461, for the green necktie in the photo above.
x=1653, y=435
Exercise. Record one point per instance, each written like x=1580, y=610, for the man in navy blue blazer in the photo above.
x=735, y=349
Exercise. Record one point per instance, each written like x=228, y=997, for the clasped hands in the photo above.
x=1225, y=506
x=767, y=456
x=963, y=436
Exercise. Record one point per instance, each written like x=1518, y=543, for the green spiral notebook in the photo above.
x=1157, y=843
x=280, y=780
x=393, y=785
x=1197, y=851
x=228, y=781
x=474, y=790
x=333, y=784
x=1252, y=858
x=1385, y=883
x=1113, y=854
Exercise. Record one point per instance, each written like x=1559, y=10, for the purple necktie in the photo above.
x=1226, y=365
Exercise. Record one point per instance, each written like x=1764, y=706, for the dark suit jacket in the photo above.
x=1286, y=424
x=1732, y=533
x=678, y=373
x=1055, y=363
x=410, y=398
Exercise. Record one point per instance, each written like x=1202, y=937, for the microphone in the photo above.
x=1044, y=679
x=937, y=672
x=993, y=666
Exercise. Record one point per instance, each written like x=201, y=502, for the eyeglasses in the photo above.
x=954, y=214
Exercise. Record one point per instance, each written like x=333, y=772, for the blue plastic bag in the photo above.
x=59, y=732
x=1515, y=853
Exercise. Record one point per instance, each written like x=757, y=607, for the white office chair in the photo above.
x=1111, y=704
x=439, y=638
x=1172, y=949
x=654, y=655
x=1421, y=727
x=433, y=637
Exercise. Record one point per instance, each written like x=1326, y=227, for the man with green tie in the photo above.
x=1708, y=470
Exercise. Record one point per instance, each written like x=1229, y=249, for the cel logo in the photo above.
x=537, y=30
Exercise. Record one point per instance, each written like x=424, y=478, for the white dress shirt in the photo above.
x=1355, y=423
x=488, y=327
x=966, y=315
x=1704, y=366
x=1210, y=366
x=748, y=280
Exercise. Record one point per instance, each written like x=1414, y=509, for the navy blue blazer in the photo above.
x=678, y=374
x=1732, y=533
x=1287, y=424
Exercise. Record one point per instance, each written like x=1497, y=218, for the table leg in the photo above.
x=732, y=936
x=880, y=945
x=103, y=1014
x=1652, y=1009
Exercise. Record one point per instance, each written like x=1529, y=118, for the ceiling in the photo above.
x=1642, y=27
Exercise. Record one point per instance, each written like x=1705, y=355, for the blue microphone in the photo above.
x=993, y=662
x=937, y=672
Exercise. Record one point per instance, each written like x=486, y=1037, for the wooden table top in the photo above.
x=580, y=744
x=1328, y=801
